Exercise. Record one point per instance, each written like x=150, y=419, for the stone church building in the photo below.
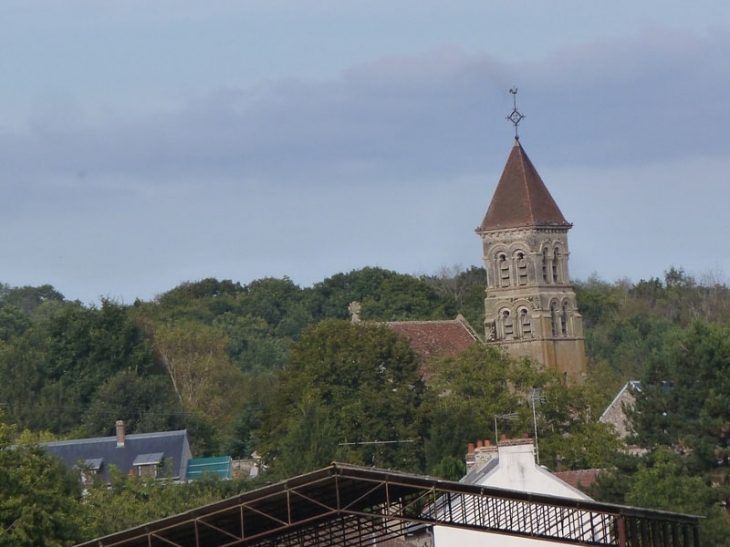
x=530, y=305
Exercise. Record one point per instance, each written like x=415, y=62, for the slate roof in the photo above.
x=442, y=338
x=521, y=198
x=101, y=452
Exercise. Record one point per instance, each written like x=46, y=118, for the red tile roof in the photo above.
x=436, y=337
x=580, y=479
x=521, y=198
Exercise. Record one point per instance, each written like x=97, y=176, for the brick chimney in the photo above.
x=481, y=455
x=120, y=433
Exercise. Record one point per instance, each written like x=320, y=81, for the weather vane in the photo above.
x=515, y=117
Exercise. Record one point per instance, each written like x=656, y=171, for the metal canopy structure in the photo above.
x=345, y=505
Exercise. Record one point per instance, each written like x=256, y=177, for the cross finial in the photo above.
x=515, y=117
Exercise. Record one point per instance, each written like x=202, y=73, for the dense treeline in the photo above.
x=277, y=368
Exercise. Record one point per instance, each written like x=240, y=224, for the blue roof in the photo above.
x=101, y=452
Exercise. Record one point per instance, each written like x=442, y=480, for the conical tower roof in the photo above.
x=521, y=198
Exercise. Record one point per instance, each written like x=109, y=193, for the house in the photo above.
x=160, y=454
x=510, y=465
x=615, y=414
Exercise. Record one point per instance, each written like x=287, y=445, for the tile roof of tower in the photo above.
x=521, y=198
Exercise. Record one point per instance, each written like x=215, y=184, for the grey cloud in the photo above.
x=442, y=112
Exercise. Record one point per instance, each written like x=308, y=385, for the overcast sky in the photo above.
x=145, y=143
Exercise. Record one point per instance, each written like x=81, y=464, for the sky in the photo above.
x=144, y=144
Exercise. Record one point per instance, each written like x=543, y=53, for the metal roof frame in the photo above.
x=346, y=505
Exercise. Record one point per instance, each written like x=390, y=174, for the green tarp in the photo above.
x=220, y=466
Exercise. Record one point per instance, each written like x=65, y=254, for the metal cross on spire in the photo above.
x=515, y=117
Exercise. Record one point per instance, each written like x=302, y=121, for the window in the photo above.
x=554, y=318
x=545, y=265
x=525, y=323
x=509, y=332
x=503, y=270
x=564, y=320
x=556, y=266
x=147, y=465
x=521, y=269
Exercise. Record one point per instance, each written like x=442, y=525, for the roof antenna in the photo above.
x=515, y=117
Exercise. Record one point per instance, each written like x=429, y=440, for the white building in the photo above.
x=509, y=466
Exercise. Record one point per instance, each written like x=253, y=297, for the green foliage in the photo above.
x=451, y=468
x=663, y=482
x=465, y=287
x=134, y=501
x=28, y=299
x=469, y=390
x=252, y=343
x=346, y=383
x=87, y=346
x=13, y=322
x=145, y=403
x=383, y=294
x=687, y=395
x=38, y=497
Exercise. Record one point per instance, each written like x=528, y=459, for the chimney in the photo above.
x=470, y=458
x=479, y=456
x=120, y=433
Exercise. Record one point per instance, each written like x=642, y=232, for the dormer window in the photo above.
x=148, y=465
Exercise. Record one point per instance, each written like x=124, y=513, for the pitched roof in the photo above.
x=521, y=198
x=442, y=338
x=101, y=452
x=579, y=478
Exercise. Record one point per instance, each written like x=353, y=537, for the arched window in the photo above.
x=507, y=326
x=556, y=266
x=545, y=265
x=503, y=267
x=564, y=320
x=525, y=324
x=554, y=318
x=521, y=268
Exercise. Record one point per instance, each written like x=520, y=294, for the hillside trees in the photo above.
x=383, y=294
x=345, y=383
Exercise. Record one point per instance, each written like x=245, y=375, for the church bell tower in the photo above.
x=530, y=307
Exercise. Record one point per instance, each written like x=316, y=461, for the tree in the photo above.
x=469, y=391
x=663, y=482
x=88, y=345
x=38, y=497
x=686, y=395
x=384, y=295
x=145, y=403
x=27, y=298
x=195, y=358
x=346, y=383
